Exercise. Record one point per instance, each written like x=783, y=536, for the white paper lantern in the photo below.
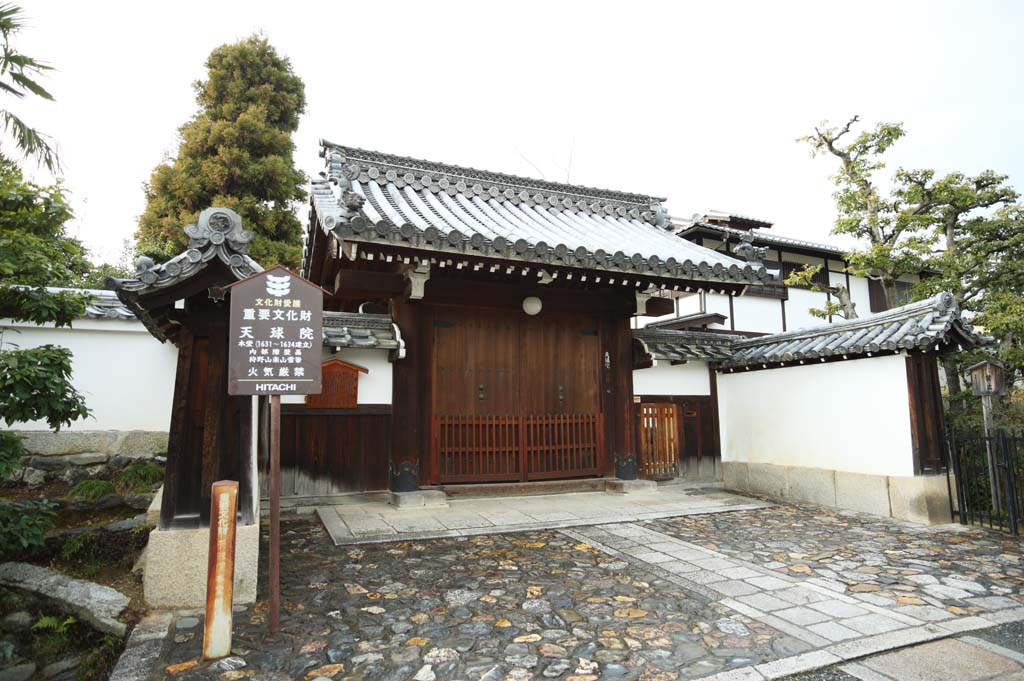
x=532, y=305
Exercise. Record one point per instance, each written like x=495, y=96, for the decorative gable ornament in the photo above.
x=340, y=386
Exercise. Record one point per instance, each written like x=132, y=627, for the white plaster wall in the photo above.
x=848, y=416
x=126, y=375
x=717, y=302
x=800, y=301
x=754, y=313
x=374, y=387
x=664, y=378
x=690, y=303
x=789, y=256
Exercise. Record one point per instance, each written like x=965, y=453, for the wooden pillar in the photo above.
x=619, y=409
x=409, y=402
x=176, y=442
x=210, y=434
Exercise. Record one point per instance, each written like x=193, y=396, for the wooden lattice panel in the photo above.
x=659, y=441
x=340, y=386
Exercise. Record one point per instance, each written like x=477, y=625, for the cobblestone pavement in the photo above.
x=516, y=606
x=739, y=595
x=910, y=570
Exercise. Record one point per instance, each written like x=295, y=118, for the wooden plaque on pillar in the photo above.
x=340, y=386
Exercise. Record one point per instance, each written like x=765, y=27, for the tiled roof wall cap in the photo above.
x=919, y=325
x=914, y=326
x=102, y=303
x=361, y=330
x=679, y=345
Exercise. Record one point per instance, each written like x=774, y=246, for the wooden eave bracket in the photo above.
x=418, y=278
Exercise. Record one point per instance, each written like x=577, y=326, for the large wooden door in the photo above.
x=515, y=397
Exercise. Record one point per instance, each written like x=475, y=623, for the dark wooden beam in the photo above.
x=355, y=284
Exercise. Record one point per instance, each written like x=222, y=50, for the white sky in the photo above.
x=699, y=102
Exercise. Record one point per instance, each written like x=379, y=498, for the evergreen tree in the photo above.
x=236, y=153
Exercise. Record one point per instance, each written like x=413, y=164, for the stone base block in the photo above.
x=736, y=475
x=631, y=486
x=127, y=443
x=176, y=565
x=153, y=512
x=919, y=498
x=813, y=485
x=768, y=480
x=419, y=499
x=862, y=492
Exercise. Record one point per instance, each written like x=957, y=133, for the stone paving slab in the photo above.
x=374, y=521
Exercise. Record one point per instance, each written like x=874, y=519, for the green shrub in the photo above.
x=82, y=546
x=52, y=635
x=92, y=489
x=23, y=525
x=101, y=659
x=11, y=451
x=138, y=477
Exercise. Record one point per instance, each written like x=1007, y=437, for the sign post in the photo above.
x=220, y=577
x=275, y=349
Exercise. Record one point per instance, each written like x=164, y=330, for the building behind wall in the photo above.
x=774, y=308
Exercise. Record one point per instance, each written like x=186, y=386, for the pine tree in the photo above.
x=236, y=153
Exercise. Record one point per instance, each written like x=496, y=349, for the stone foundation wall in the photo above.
x=919, y=498
x=72, y=456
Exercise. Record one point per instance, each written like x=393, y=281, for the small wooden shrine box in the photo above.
x=340, y=386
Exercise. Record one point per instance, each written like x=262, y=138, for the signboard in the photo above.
x=340, y=386
x=275, y=335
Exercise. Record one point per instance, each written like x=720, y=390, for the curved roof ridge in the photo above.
x=479, y=175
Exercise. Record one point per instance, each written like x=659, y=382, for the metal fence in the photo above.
x=986, y=478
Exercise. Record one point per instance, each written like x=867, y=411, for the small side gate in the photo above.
x=659, y=440
x=986, y=478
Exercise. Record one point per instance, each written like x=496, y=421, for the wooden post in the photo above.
x=275, y=513
x=220, y=576
x=990, y=455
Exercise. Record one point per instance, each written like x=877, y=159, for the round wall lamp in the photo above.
x=532, y=305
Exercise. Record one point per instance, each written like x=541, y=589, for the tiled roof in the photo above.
x=106, y=305
x=217, y=236
x=358, y=330
x=922, y=325
x=419, y=204
x=683, y=346
x=760, y=238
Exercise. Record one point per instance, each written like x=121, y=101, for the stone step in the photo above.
x=518, y=489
